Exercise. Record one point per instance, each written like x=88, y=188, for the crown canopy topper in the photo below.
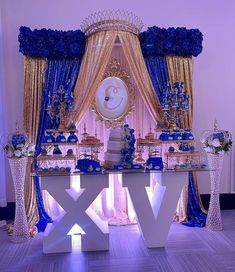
x=112, y=20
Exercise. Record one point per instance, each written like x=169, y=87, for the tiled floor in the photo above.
x=187, y=250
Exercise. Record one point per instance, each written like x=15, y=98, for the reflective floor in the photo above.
x=187, y=250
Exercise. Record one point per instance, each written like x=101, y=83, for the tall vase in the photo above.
x=21, y=228
x=214, y=221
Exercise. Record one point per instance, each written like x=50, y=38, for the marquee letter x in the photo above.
x=77, y=210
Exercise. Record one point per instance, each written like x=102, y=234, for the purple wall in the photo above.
x=214, y=69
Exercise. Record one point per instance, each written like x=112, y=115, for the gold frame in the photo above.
x=114, y=69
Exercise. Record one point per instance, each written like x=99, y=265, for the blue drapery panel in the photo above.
x=58, y=72
x=196, y=218
x=157, y=68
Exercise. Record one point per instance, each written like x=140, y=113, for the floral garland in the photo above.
x=128, y=151
x=178, y=41
x=51, y=43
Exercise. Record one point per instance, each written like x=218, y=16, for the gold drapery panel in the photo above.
x=137, y=118
x=30, y=199
x=34, y=73
x=132, y=51
x=96, y=57
x=181, y=69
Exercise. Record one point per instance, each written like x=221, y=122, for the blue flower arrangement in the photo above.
x=128, y=151
x=51, y=43
x=178, y=41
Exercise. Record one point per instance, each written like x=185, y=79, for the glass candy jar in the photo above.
x=165, y=135
x=56, y=150
x=187, y=135
x=177, y=135
x=49, y=138
x=72, y=137
x=61, y=138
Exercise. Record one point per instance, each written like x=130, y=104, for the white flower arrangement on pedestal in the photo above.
x=217, y=142
x=18, y=146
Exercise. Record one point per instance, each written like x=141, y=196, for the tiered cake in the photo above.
x=114, y=145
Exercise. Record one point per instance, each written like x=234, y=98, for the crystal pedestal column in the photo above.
x=21, y=228
x=214, y=221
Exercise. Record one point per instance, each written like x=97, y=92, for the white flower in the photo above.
x=17, y=153
x=216, y=143
x=221, y=152
x=209, y=149
x=31, y=148
x=24, y=150
x=19, y=146
x=26, y=144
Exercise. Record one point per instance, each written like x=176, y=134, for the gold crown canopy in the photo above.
x=112, y=20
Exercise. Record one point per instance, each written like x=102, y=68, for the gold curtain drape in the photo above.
x=132, y=51
x=34, y=73
x=95, y=60
x=181, y=69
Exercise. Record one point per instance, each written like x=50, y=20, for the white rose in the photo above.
x=24, y=151
x=31, y=148
x=209, y=149
x=17, y=153
x=216, y=143
x=20, y=146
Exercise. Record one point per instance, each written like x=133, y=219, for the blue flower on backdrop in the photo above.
x=178, y=41
x=51, y=43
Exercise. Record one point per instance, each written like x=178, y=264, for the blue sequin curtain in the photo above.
x=196, y=218
x=58, y=72
x=157, y=68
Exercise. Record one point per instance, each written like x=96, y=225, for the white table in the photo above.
x=154, y=215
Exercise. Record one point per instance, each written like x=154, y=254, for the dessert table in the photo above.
x=154, y=213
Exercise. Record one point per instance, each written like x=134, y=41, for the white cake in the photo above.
x=115, y=143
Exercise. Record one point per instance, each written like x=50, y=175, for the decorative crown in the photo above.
x=112, y=20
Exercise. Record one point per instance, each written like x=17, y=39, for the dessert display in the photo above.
x=88, y=139
x=148, y=139
x=56, y=170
